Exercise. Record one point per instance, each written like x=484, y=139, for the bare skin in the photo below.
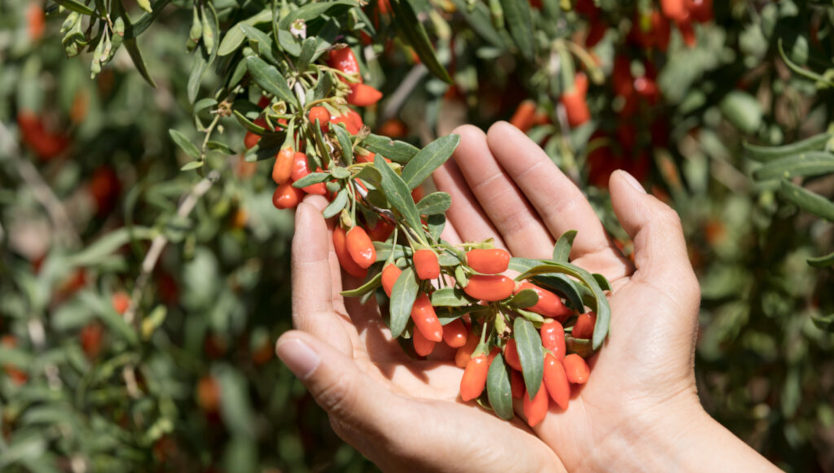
x=639, y=410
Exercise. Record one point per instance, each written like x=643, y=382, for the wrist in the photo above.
x=677, y=436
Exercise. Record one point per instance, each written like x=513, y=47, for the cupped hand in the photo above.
x=642, y=378
x=403, y=414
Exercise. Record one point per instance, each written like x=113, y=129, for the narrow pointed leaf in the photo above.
x=769, y=153
x=561, y=251
x=807, y=200
x=269, y=79
x=407, y=22
x=397, y=151
x=428, y=159
x=529, y=346
x=499, y=389
x=398, y=193
x=519, y=22
x=403, y=295
x=434, y=203
x=812, y=163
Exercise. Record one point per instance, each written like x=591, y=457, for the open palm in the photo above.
x=404, y=414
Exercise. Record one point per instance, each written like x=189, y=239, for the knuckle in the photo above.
x=335, y=397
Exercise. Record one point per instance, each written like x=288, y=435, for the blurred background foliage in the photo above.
x=707, y=112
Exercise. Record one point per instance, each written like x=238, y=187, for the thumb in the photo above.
x=660, y=254
x=336, y=382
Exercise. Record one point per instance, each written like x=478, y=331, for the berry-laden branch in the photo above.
x=515, y=337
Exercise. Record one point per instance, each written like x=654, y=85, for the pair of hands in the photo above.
x=639, y=409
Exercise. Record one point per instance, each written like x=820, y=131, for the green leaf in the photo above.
x=768, y=153
x=106, y=245
x=312, y=178
x=529, y=346
x=337, y=205
x=397, y=193
x=807, y=200
x=524, y=299
x=561, y=251
x=269, y=79
x=323, y=86
x=308, y=49
x=602, y=281
x=824, y=322
x=76, y=7
x=136, y=56
x=145, y=5
x=580, y=346
x=234, y=36
x=403, y=295
x=218, y=146
x=449, y=297
x=499, y=389
x=519, y=22
x=408, y=23
x=478, y=18
x=435, y=223
x=397, y=151
x=314, y=10
x=196, y=75
x=434, y=203
x=813, y=163
x=369, y=286
x=210, y=29
x=428, y=159
x=345, y=144
x=742, y=110
x=114, y=321
x=599, y=303
x=191, y=165
x=822, y=261
x=187, y=146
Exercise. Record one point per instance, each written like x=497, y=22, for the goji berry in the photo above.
x=422, y=345
x=488, y=261
x=344, y=60
x=523, y=116
x=282, y=169
x=455, y=333
x=425, y=318
x=120, y=301
x=426, y=265
x=474, y=377
x=516, y=384
x=536, y=408
x=36, y=21
x=208, y=394
x=511, y=355
x=700, y=10
x=360, y=247
x=363, y=95
x=464, y=353
x=300, y=168
x=489, y=287
x=321, y=114
x=584, y=327
x=576, y=369
x=340, y=245
x=674, y=9
x=251, y=139
x=687, y=32
x=286, y=196
x=548, y=305
x=576, y=108
x=390, y=274
x=90, y=337
x=553, y=338
x=381, y=231
x=556, y=381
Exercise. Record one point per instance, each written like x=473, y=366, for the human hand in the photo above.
x=639, y=409
x=403, y=414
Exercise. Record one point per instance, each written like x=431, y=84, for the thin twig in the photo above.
x=160, y=241
x=58, y=216
x=409, y=83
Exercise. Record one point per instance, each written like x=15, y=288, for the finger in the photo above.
x=465, y=214
x=319, y=202
x=337, y=384
x=660, y=254
x=312, y=305
x=561, y=205
x=513, y=217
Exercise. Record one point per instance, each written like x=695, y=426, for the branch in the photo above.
x=58, y=216
x=160, y=241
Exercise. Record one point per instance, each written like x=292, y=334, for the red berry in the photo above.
x=553, y=338
x=584, y=327
x=363, y=95
x=455, y=333
x=360, y=247
x=536, y=408
x=464, y=353
x=488, y=261
x=556, y=381
x=576, y=369
x=549, y=304
x=422, y=345
x=390, y=273
x=426, y=264
x=489, y=287
x=425, y=319
x=282, y=169
x=511, y=355
x=474, y=378
x=286, y=196
x=340, y=245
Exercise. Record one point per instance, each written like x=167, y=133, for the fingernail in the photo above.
x=299, y=358
x=632, y=181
